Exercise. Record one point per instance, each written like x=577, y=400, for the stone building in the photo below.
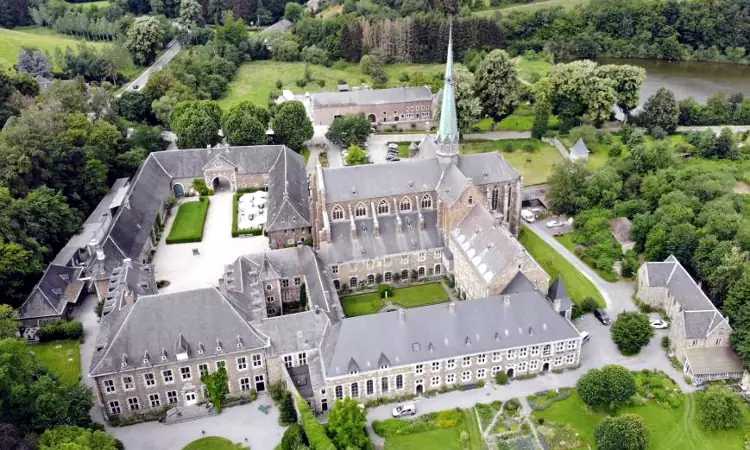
x=410, y=106
x=699, y=336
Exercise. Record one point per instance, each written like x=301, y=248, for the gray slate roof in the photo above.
x=519, y=283
x=156, y=324
x=485, y=168
x=476, y=326
x=557, y=291
x=713, y=361
x=343, y=248
x=282, y=26
x=621, y=227
x=288, y=193
x=371, y=97
x=248, y=159
x=579, y=148
x=452, y=184
x=58, y=286
x=295, y=332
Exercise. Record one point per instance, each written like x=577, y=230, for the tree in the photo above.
x=313, y=54
x=607, y=387
x=8, y=322
x=45, y=216
x=356, y=156
x=468, y=107
x=293, y=11
x=294, y=438
x=627, y=84
x=65, y=97
x=291, y=125
x=346, y=425
x=661, y=110
x=144, y=37
x=287, y=413
x=77, y=438
x=245, y=124
x=720, y=408
x=34, y=62
x=196, y=123
x=497, y=85
x=623, y=432
x=349, y=130
x=190, y=13
x=631, y=332
x=217, y=385
x=134, y=105
x=11, y=439
x=567, y=188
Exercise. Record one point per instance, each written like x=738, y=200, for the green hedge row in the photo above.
x=315, y=431
x=235, y=213
x=189, y=223
x=60, y=329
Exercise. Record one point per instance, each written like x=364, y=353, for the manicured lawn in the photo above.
x=669, y=428
x=535, y=165
x=577, y=285
x=440, y=438
x=188, y=225
x=522, y=119
x=212, y=443
x=528, y=67
x=11, y=42
x=62, y=358
x=408, y=297
x=403, y=149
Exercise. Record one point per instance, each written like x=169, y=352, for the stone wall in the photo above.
x=420, y=111
x=396, y=263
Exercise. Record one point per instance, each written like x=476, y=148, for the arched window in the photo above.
x=426, y=201
x=383, y=207
x=437, y=269
x=421, y=272
x=495, y=198
x=338, y=212
x=339, y=392
x=405, y=204
x=360, y=210
x=471, y=200
x=355, y=390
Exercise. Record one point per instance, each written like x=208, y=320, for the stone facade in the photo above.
x=388, y=269
x=389, y=109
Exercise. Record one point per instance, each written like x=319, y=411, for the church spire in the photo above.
x=448, y=129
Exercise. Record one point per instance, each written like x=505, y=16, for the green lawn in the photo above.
x=440, y=438
x=669, y=429
x=531, y=7
x=212, y=443
x=528, y=67
x=100, y=4
x=403, y=149
x=188, y=225
x=535, y=165
x=11, y=42
x=408, y=297
x=577, y=285
x=600, y=151
x=522, y=119
x=63, y=358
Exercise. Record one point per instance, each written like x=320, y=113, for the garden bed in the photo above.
x=486, y=412
x=189, y=223
x=236, y=232
x=544, y=399
x=453, y=429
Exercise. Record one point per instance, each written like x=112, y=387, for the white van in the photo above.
x=528, y=216
x=407, y=409
x=585, y=336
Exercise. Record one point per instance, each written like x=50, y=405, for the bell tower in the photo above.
x=448, y=134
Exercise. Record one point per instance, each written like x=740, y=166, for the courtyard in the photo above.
x=178, y=264
x=407, y=297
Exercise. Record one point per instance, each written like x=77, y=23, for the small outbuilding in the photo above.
x=579, y=151
x=621, y=227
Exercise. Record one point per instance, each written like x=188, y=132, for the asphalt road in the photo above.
x=173, y=48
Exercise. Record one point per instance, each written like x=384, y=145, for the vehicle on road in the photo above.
x=602, y=316
x=407, y=409
x=136, y=87
x=393, y=158
x=393, y=145
x=585, y=337
x=659, y=324
x=528, y=216
x=554, y=223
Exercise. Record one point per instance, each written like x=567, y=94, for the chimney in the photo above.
x=452, y=308
x=506, y=300
x=127, y=263
x=558, y=304
x=92, y=246
x=401, y=315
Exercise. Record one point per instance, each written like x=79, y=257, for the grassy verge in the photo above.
x=189, y=223
x=98, y=4
x=567, y=241
x=435, y=431
x=522, y=118
x=532, y=157
x=212, y=443
x=577, y=285
x=62, y=358
x=408, y=297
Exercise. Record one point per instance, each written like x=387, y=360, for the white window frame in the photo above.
x=109, y=386
x=154, y=398
x=176, y=398
x=466, y=361
x=435, y=366
x=134, y=406
x=257, y=362
x=438, y=254
x=168, y=379
x=558, y=360
x=523, y=352
x=151, y=382
x=466, y=376
x=435, y=381
x=422, y=256
x=405, y=259
x=497, y=356
x=450, y=364
x=511, y=355
x=186, y=375
x=482, y=358
x=241, y=362
x=125, y=384
x=534, y=365
x=419, y=369
x=114, y=407
x=247, y=384
x=481, y=373
x=335, y=269
x=450, y=378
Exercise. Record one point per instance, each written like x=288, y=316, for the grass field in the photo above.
x=188, y=225
x=535, y=166
x=409, y=297
x=555, y=265
x=11, y=42
x=63, y=358
x=669, y=429
x=440, y=438
x=212, y=443
x=531, y=7
x=526, y=68
x=522, y=119
x=100, y=4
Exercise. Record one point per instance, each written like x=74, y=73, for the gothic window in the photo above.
x=405, y=204
x=383, y=207
x=338, y=213
x=495, y=198
x=360, y=210
x=426, y=201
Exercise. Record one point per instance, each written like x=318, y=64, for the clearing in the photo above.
x=522, y=119
x=532, y=7
x=189, y=223
x=444, y=431
x=577, y=285
x=62, y=358
x=212, y=443
x=532, y=157
x=11, y=42
x=408, y=297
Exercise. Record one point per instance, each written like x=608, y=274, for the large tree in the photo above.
x=144, y=38
x=719, y=408
x=631, y=332
x=34, y=62
x=623, y=432
x=567, y=188
x=245, y=124
x=628, y=80
x=217, y=386
x=608, y=387
x=496, y=84
x=76, y=438
x=291, y=125
x=190, y=13
x=349, y=130
x=346, y=425
x=468, y=106
x=196, y=123
x=661, y=110
x=8, y=322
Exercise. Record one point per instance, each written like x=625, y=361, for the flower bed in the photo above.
x=399, y=427
x=544, y=399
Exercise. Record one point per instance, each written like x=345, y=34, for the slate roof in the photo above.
x=371, y=97
x=519, y=283
x=475, y=326
x=485, y=168
x=282, y=26
x=58, y=286
x=485, y=243
x=557, y=291
x=247, y=159
x=154, y=324
x=342, y=247
x=621, y=227
x=452, y=184
x=295, y=332
x=288, y=193
x=579, y=148
x=713, y=361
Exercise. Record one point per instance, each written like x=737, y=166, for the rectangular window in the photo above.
x=422, y=256
x=149, y=379
x=570, y=358
x=523, y=353
x=404, y=259
x=244, y=384
x=301, y=358
x=438, y=254
x=495, y=369
x=133, y=404
x=167, y=376
x=547, y=350
x=185, y=373
x=288, y=361
x=270, y=299
x=399, y=382
x=450, y=364
x=154, y=400
x=384, y=385
x=114, y=407
x=522, y=366
x=354, y=390
x=242, y=363
x=559, y=347
x=481, y=359
x=203, y=369
x=335, y=269
x=297, y=281
x=450, y=378
x=511, y=354
x=497, y=356
x=558, y=360
x=172, y=397
x=435, y=366
x=419, y=369
x=573, y=344
x=260, y=383
x=109, y=386
x=221, y=364
x=257, y=360
x=535, y=350
x=370, y=387
x=466, y=376
x=466, y=361
x=127, y=383
x=534, y=364
x=285, y=283
x=481, y=373
x=435, y=381
x=339, y=391
x=387, y=277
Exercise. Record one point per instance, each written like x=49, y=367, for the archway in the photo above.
x=178, y=190
x=372, y=118
x=221, y=184
x=510, y=373
x=420, y=389
x=545, y=367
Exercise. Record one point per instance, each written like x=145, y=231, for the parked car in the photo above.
x=602, y=316
x=554, y=223
x=393, y=145
x=659, y=324
x=585, y=337
x=407, y=409
x=393, y=158
x=528, y=216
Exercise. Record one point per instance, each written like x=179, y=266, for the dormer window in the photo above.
x=269, y=287
x=163, y=357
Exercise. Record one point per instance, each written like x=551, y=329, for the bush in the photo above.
x=314, y=430
x=658, y=133
x=199, y=184
x=501, y=378
x=586, y=306
x=404, y=77
x=627, y=431
x=60, y=329
x=294, y=438
x=665, y=342
x=719, y=408
x=322, y=83
x=512, y=405
x=631, y=332
x=301, y=82
x=607, y=387
x=615, y=150
x=385, y=290
x=279, y=84
x=287, y=413
x=276, y=391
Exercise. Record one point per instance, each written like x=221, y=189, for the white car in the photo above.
x=408, y=409
x=393, y=146
x=659, y=324
x=554, y=223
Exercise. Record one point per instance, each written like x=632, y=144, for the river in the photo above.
x=690, y=78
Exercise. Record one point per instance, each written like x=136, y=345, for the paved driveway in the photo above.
x=184, y=270
x=173, y=48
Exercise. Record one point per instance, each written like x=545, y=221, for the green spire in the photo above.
x=448, y=128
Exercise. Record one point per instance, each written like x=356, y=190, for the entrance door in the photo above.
x=260, y=383
x=420, y=389
x=190, y=398
x=510, y=373
x=545, y=367
x=178, y=190
x=324, y=404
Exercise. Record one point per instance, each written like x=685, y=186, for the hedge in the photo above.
x=59, y=330
x=235, y=213
x=315, y=431
x=189, y=223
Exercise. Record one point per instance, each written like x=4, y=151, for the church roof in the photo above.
x=448, y=127
x=371, y=97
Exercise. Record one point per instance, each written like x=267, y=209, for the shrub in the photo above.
x=279, y=84
x=276, y=391
x=631, y=332
x=586, y=306
x=199, y=184
x=322, y=83
x=287, y=413
x=316, y=433
x=607, y=387
x=501, y=378
x=512, y=405
x=665, y=342
x=404, y=77
x=615, y=150
x=294, y=438
x=60, y=329
x=385, y=290
x=301, y=82
x=253, y=395
x=627, y=431
x=719, y=408
x=658, y=133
